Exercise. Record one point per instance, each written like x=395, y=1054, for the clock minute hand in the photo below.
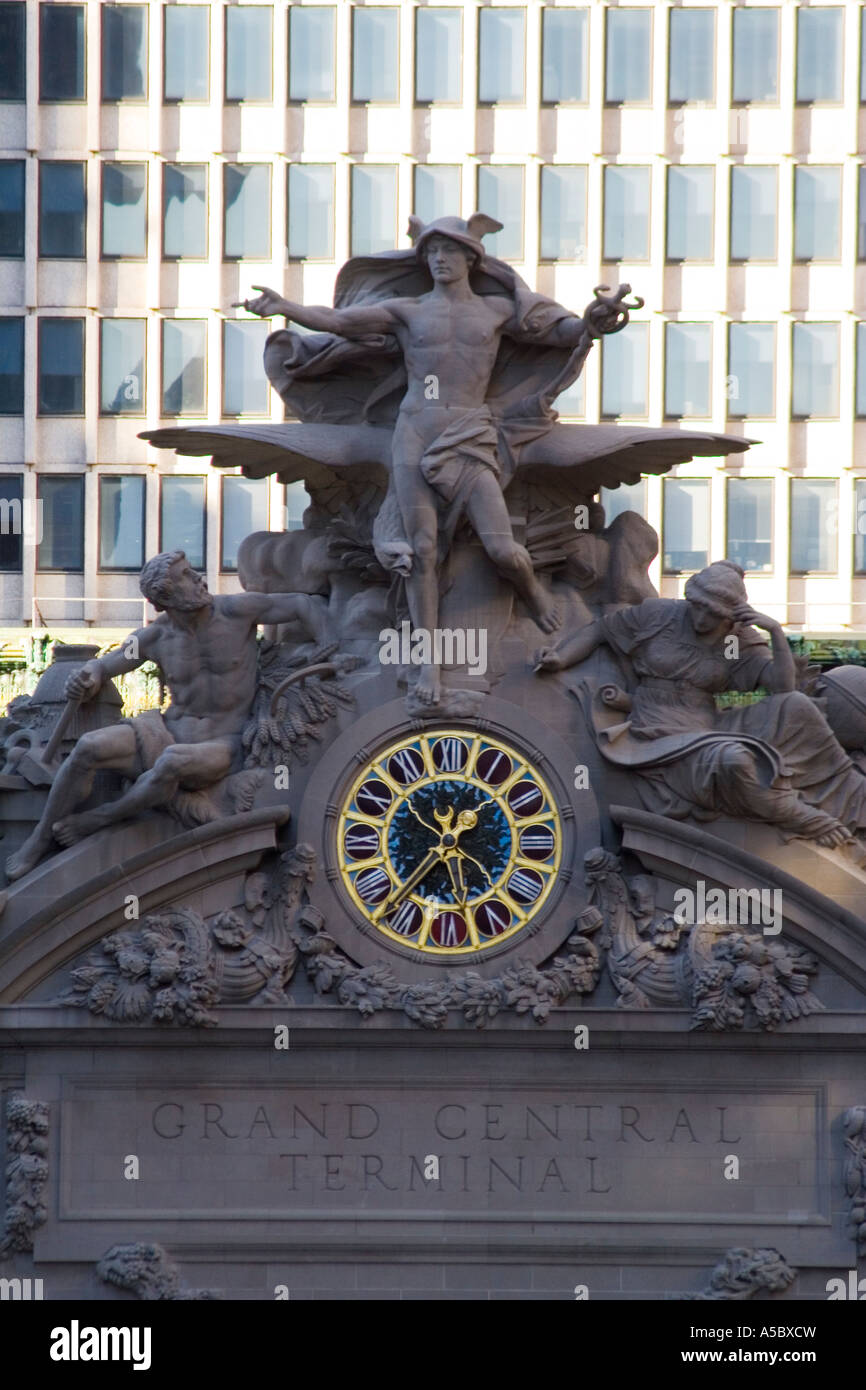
x=431, y=858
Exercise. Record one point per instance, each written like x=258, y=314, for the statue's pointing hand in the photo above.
x=265, y=304
x=84, y=684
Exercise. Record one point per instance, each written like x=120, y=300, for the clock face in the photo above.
x=449, y=842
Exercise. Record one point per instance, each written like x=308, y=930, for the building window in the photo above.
x=437, y=191
x=62, y=208
x=861, y=214
x=564, y=54
x=502, y=55
x=817, y=200
x=13, y=70
x=691, y=55
x=500, y=194
x=626, y=213
x=121, y=366
x=310, y=232
x=247, y=215
x=438, y=49
x=750, y=386
x=249, y=60
x=750, y=524
x=819, y=54
x=244, y=510
x=374, y=208
x=124, y=211
x=685, y=524
x=62, y=512
x=816, y=371
x=814, y=520
x=860, y=525
x=11, y=366
x=624, y=362
x=11, y=209
x=297, y=502
x=245, y=386
x=563, y=212
x=572, y=401
x=124, y=52
x=687, y=369
x=690, y=210
x=61, y=367
x=375, y=54
x=756, y=55
x=628, y=497
x=753, y=213
x=184, y=358
x=184, y=212
x=628, y=55
x=121, y=521
x=863, y=54
x=860, y=394
x=61, y=52
x=312, y=53
x=11, y=519
x=183, y=517
x=186, y=52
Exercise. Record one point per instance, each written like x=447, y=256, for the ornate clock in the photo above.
x=448, y=843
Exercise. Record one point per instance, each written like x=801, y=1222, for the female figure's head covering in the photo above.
x=720, y=586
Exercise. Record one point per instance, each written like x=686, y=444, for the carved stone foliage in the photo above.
x=743, y=1272
x=148, y=1272
x=749, y=982
x=26, y=1172
x=854, y=1172
x=289, y=718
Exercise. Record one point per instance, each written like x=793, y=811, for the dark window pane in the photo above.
x=438, y=70
x=437, y=191
x=247, y=189
x=184, y=211
x=182, y=518
x=249, y=62
x=564, y=54
x=687, y=369
x=629, y=48
x=61, y=52
x=685, y=524
x=816, y=370
x=626, y=213
x=813, y=525
x=817, y=205
x=374, y=208
x=624, y=369
x=819, y=54
x=11, y=366
x=501, y=55
x=245, y=509
x=187, y=48
x=500, y=194
x=121, y=369
x=12, y=208
x=245, y=386
x=860, y=526
x=121, y=522
x=563, y=212
x=751, y=369
x=750, y=523
x=61, y=210
x=124, y=52
x=312, y=63
x=62, y=544
x=375, y=54
x=124, y=210
x=753, y=213
x=13, y=83
x=311, y=211
x=691, y=75
x=11, y=521
x=690, y=213
x=184, y=354
x=61, y=367
x=756, y=54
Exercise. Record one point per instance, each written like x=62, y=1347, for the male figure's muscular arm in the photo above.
x=349, y=323
x=87, y=682
x=307, y=609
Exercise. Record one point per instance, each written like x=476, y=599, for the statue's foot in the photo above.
x=428, y=687
x=71, y=829
x=26, y=858
x=834, y=837
x=547, y=611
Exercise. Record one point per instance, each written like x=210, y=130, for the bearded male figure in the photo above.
x=457, y=427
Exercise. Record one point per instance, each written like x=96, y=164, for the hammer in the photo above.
x=38, y=770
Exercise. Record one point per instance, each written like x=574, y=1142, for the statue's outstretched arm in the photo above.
x=349, y=323
x=571, y=650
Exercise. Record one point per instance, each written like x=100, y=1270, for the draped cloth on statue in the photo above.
x=794, y=774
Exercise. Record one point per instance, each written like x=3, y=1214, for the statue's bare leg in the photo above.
x=417, y=503
x=488, y=512
x=193, y=765
x=102, y=750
